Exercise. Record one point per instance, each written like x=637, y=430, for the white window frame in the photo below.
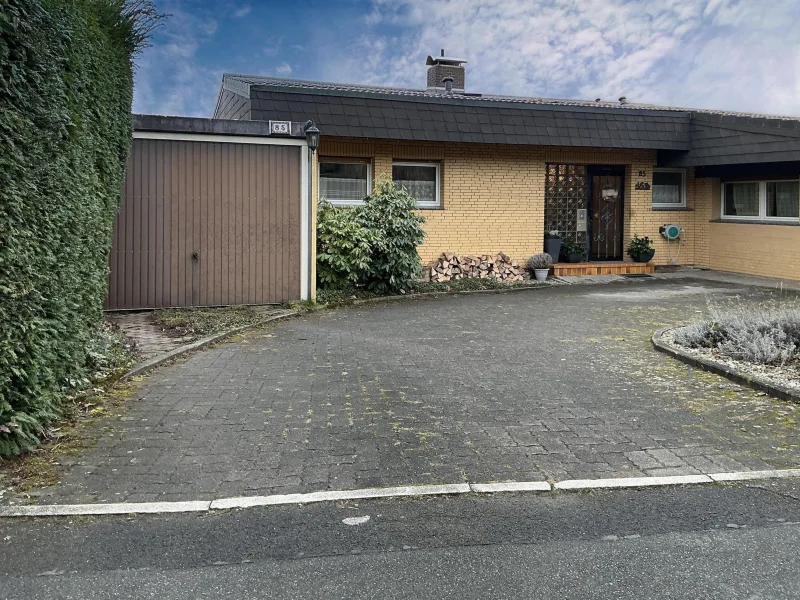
x=342, y=161
x=437, y=166
x=762, y=203
x=682, y=203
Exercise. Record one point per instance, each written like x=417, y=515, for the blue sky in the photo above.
x=725, y=54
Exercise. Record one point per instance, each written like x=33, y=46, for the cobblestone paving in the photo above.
x=549, y=384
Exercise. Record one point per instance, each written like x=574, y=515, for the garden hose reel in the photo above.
x=672, y=233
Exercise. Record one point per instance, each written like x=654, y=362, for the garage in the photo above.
x=213, y=213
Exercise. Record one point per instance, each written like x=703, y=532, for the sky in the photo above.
x=721, y=54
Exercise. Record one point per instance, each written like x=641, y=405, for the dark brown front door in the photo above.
x=605, y=210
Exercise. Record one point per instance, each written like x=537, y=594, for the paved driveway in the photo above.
x=548, y=384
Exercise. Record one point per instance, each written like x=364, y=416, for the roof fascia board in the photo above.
x=467, y=102
x=767, y=129
x=687, y=160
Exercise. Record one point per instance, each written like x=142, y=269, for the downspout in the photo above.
x=311, y=221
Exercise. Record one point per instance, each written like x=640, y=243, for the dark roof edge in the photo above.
x=170, y=124
x=688, y=159
x=467, y=102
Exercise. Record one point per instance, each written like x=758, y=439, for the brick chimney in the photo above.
x=442, y=67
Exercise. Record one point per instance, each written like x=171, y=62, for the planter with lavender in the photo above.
x=540, y=265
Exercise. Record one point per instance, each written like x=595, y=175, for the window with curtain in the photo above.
x=421, y=180
x=668, y=189
x=761, y=200
x=742, y=200
x=344, y=182
x=783, y=199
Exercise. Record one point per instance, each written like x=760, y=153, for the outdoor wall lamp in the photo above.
x=312, y=136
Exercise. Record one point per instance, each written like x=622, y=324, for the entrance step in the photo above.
x=601, y=268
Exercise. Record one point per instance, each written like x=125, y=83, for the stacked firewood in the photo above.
x=501, y=267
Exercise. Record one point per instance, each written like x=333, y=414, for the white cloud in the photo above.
x=727, y=54
x=242, y=11
x=169, y=78
x=284, y=69
x=272, y=46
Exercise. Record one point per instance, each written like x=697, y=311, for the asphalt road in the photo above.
x=697, y=542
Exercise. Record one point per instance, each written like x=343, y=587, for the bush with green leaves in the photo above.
x=373, y=246
x=639, y=245
x=344, y=246
x=390, y=214
x=66, y=86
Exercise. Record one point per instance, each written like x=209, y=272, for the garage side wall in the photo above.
x=206, y=223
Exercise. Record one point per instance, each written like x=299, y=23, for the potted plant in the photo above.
x=552, y=244
x=540, y=265
x=573, y=252
x=640, y=249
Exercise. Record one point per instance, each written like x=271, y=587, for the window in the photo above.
x=762, y=200
x=421, y=180
x=343, y=181
x=669, y=190
x=783, y=199
x=742, y=200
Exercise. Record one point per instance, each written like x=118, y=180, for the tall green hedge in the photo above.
x=66, y=88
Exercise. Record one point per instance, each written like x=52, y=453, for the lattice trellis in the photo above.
x=566, y=190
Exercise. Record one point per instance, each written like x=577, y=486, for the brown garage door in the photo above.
x=207, y=223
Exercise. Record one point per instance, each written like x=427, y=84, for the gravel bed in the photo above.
x=786, y=375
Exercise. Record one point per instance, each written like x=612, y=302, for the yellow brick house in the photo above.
x=494, y=173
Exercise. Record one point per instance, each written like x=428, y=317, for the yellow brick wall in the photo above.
x=769, y=250
x=493, y=200
x=492, y=195
x=752, y=248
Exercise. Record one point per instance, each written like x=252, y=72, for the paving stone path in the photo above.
x=549, y=384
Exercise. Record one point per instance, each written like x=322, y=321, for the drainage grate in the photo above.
x=636, y=275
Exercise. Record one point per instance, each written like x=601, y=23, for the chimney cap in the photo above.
x=444, y=60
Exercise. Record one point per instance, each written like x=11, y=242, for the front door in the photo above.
x=606, y=185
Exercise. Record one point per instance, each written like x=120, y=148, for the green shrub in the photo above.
x=65, y=98
x=344, y=246
x=389, y=213
x=638, y=246
x=374, y=246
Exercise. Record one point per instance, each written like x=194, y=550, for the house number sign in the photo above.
x=642, y=185
x=279, y=127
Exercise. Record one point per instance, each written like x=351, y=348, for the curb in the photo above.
x=453, y=489
x=757, y=383
x=156, y=361
x=431, y=295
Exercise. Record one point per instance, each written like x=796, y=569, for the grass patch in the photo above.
x=468, y=284
x=192, y=322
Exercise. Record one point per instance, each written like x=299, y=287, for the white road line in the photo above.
x=392, y=492
x=511, y=486
x=62, y=510
x=65, y=510
x=747, y=475
x=626, y=482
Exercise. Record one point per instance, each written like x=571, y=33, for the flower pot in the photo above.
x=644, y=257
x=575, y=257
x=541, y=274
x=552, y=245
